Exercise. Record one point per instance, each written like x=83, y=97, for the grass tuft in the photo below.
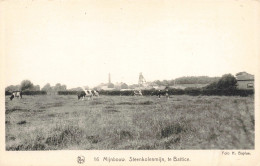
x=22, y=122
x=145, y=102
x=175, y=128
x=125, y=103
x=65, y=136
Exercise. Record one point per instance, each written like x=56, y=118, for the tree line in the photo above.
x=225, y=85
x=27, y=85
x=187, y=80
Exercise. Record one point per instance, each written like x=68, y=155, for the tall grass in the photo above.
x=121, y=122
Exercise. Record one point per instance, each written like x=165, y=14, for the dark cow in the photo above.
x=85, y=93
x=16, y=94
x=82, y=95
x=160, y=93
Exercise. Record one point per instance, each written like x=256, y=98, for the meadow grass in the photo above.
x=129, y=122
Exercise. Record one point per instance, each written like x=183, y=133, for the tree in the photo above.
x=47, y=87
x=76, y=89
x=124, y=86
x=227, y=81
x=213, y=85
x=158, y=82
x=12, y=88
x=171, y=82
x=36, y=88
x=196, y=80
x=57, y=87
x=165, y=83
x=26, y=85
x=63, y=87
x=85, y=87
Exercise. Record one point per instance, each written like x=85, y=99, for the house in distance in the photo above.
x=245, y=80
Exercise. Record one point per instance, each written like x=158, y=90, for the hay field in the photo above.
x=129, y=122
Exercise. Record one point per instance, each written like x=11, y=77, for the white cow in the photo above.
x=138, y=93
x=95, y=93
x=89, y=94
x=16, y=94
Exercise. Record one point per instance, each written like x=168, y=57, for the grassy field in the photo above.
x=129, y=122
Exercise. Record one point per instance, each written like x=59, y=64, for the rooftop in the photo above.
x=241, y=76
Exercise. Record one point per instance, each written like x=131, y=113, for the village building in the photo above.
x=106, y=86
x=245, y=80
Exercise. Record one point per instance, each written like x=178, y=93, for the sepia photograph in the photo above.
x=130, y=76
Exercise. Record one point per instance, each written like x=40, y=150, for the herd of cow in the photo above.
x=91, y=93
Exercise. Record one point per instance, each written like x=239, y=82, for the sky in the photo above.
x=78, y=43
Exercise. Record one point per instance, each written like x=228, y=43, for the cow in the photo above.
x=160, y=93
x=138, y=93
x=16, y=94
x=81, y=94
x=95, y=93
x=88, y=94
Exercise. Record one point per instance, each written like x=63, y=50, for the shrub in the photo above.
x=227, y=81
x=187, y=91
x=230, y=92
x=126, y=93
x=27, y=92
x=176, y=92
x=7, y=93
x=68, y=92
x=193, y=91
